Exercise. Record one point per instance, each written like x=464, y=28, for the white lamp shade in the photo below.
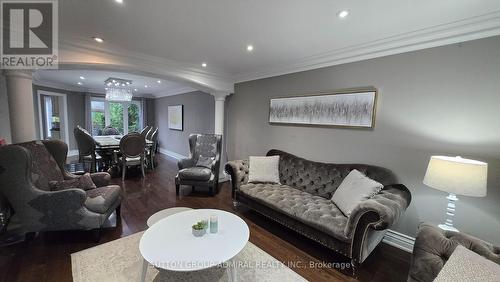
x=457, y=175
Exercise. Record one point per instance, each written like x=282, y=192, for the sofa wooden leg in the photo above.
x=211, y=190
x=177, y=188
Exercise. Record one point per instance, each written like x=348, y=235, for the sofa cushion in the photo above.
x=315, y=211
x=101, y=199
x=354, y=189
x=44, y=167
x=264, y=170
x=195, y=173
x=83, y=182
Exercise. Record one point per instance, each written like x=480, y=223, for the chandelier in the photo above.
x=118, y=89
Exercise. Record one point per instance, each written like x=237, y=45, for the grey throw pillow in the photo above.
x=205, y=161
x=353, y=190
x=83, y=182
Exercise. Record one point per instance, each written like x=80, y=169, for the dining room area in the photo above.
x=115, y=153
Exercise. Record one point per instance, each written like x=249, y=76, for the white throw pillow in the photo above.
x=354, y=189
x=264, y=169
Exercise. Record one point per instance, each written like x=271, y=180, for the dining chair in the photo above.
x=150, y=133
x=132, y=148
x=86, y=148
x=108, y=130
x=151, y=151
x=145, y=131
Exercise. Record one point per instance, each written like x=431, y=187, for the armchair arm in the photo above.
x=238, y=170
x=379, y=212
x=184, y=163
x=100, y=179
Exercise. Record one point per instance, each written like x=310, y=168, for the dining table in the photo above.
x=108, y=147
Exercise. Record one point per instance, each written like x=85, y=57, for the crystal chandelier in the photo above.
x=118, y=89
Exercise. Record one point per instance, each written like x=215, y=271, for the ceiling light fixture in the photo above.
x=204, y=65
x=98, y=39
x=79, y=83
x=159, y=81
x=119, y=1
x=135, y=89
x=81, y=77
x=118, y=89
x=342, y=14
x=145, y=86
x=249, y=48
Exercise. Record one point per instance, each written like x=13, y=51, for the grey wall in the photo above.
x=4, y=111
x=198, y=118
x=444, y=101
x=76, y=110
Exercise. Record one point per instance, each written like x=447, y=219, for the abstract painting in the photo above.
x=176, y=117
x=353, y=108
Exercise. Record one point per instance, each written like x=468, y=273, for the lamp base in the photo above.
x=447, y=227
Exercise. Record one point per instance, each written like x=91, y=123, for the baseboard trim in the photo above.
x=399, y=240
x=72, y=153
x=172, y=154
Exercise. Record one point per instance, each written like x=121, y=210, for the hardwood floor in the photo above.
x=47, y=257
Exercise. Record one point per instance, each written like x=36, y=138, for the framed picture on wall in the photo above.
x=176, y=117
x=353, y=108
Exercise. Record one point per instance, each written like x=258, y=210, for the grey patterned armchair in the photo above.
x=202, y=166
x=27, y=171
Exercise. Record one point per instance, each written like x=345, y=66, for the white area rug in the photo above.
x=120, y=260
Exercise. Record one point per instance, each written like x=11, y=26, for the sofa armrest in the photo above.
x=238, y=170
x=388, y=206
x=100, y=179
x=184, y=163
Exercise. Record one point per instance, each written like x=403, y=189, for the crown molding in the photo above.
x=482, y=26
x=176, y=91
x=78, y=52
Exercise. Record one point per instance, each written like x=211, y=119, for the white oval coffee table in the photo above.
x=169, y=244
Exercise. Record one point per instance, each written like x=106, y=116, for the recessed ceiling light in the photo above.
x=342, y=14
x=145, y=86
x=249, y=48
x=81, y=77
x=119, y=1
x=79, y=83
x=98, y=39
x=135, y=89
x=204, y=65
x=159, y=81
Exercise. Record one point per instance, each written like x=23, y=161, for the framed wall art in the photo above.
x=343, y=108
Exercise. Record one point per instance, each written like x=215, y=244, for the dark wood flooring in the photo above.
x=47, y=257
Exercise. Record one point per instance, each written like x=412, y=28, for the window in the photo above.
x=126, y=117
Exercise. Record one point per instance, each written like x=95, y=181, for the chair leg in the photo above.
x=152, y=156
x=124, y=168
x=211, y=190
x=142, y=169
x=177, y=188
x=118, y=211
x=192, y=188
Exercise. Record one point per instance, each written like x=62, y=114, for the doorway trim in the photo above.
x=65, y=128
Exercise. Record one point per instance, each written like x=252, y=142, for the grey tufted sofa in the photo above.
x=434, y=246
x=302, y=202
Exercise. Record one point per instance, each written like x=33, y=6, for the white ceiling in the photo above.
x=94, y=82
x=287, y=35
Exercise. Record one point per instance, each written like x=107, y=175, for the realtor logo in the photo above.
x=29, y=34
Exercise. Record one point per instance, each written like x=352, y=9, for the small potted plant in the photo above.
x=199, y=229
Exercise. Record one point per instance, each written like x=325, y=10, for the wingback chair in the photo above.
x=132, y=148
x=27, y=171
x=86, y=148
x=202, y=166
x=151, y=152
